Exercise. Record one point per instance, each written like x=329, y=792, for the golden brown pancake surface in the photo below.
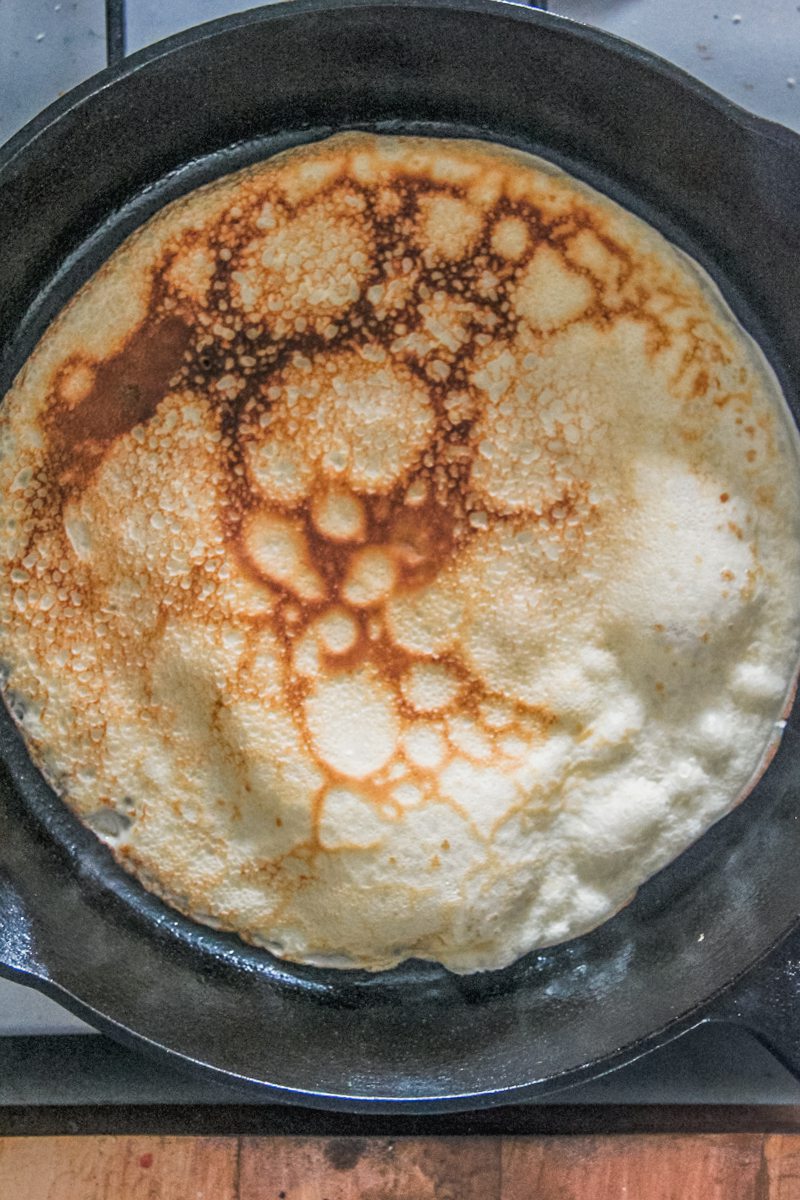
x=399, y=553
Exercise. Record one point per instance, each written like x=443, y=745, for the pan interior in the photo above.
x=112, y=555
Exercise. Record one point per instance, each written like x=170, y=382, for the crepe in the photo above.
x=399, y=552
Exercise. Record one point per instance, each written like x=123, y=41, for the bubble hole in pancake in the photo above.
x=399, y=554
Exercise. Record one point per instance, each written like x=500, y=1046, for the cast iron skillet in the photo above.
x=722, y=184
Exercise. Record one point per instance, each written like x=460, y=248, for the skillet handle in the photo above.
x=766, y=1002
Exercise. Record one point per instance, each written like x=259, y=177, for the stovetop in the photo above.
x=747, y=49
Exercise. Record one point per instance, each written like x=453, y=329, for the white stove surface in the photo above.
x=747, y=49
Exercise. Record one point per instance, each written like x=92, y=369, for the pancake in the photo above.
x=400, y=554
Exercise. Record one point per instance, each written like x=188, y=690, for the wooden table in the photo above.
x=617, y=1166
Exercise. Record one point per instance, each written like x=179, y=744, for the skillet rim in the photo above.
x=754, y=125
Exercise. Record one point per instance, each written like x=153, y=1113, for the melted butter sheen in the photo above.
x=399, y=553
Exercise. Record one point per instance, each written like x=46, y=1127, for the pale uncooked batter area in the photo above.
x=399, y=549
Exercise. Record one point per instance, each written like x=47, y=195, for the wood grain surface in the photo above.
x=640, y=1167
